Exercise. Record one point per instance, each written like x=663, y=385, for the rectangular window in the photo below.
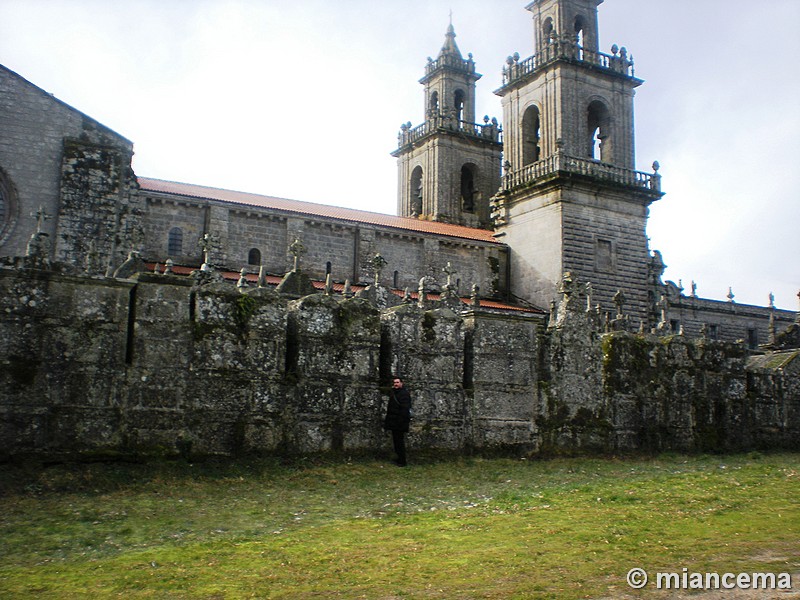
x=604, y=256
x=713, y=331
x=175, y=241
x=752, y=338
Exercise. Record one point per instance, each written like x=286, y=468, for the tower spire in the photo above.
x=450, y=48
x=570, y=182
x=449, y=166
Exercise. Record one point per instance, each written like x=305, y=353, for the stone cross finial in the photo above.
x=771, y=300
x=619, y=301
x=449, y=271
x=421, y=292
x=297, y=249
x=664, y=305
x=205, y=244
x=694, y=289
x=41, y=217
x=476, y=295
x=567, y=284
x=242, y=278
x=378, y=263
x=773, y=332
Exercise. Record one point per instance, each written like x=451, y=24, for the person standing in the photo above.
x=398, y=417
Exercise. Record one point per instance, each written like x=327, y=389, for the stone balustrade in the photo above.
x=563, y=163
x=489, y=130
x=566, y=49
x=451, y=62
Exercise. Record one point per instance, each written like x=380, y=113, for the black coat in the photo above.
x=398, y=411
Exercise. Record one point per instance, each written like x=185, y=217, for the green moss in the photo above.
x=244, y=308
x=586, y=430
x=625, y=356
x=429, y=328
x=201, y=330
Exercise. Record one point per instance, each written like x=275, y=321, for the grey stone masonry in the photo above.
x=344, y=248
x=160, y=364
x=500, y=371
x=99, y=216
x=334, y=361
x=426, y=348
x=718, y=320
x=449, y=166
x=56, y=158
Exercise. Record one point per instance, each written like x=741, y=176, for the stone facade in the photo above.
x=569, y=147
x=162, y=364
x=449, y=167
x=103, y=351
x=341, y=247
x=70, y=173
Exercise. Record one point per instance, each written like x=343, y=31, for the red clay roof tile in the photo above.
x=319, y=210
x=273, y=280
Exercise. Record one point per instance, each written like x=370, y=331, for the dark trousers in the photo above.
x=399, y=440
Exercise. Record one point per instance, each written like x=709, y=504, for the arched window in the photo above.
x=547, y=31
x=328, y=268
x=599, y=128
x=434, y=107
x=531, y=136
x=468, y=188
x=416, y=192
x=580, y=29
x=396, y=279
x=175, y=242
x=580, y=36
x=458, y=103
x=254, y=257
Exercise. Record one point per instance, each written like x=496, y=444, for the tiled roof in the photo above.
x=318, y=210
x=273, y=280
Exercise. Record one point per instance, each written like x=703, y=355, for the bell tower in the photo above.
x=449, y=166
x=570, y=199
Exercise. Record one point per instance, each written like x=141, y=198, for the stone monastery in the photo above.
x=515, y=289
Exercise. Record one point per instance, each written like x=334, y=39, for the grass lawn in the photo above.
x=363, y=528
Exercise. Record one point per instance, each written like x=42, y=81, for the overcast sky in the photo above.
x=303, y=99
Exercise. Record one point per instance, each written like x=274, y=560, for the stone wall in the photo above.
x=345, y=248
x=161, y=364
x=611, y=390
x=724, y=321
x=55, y=158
